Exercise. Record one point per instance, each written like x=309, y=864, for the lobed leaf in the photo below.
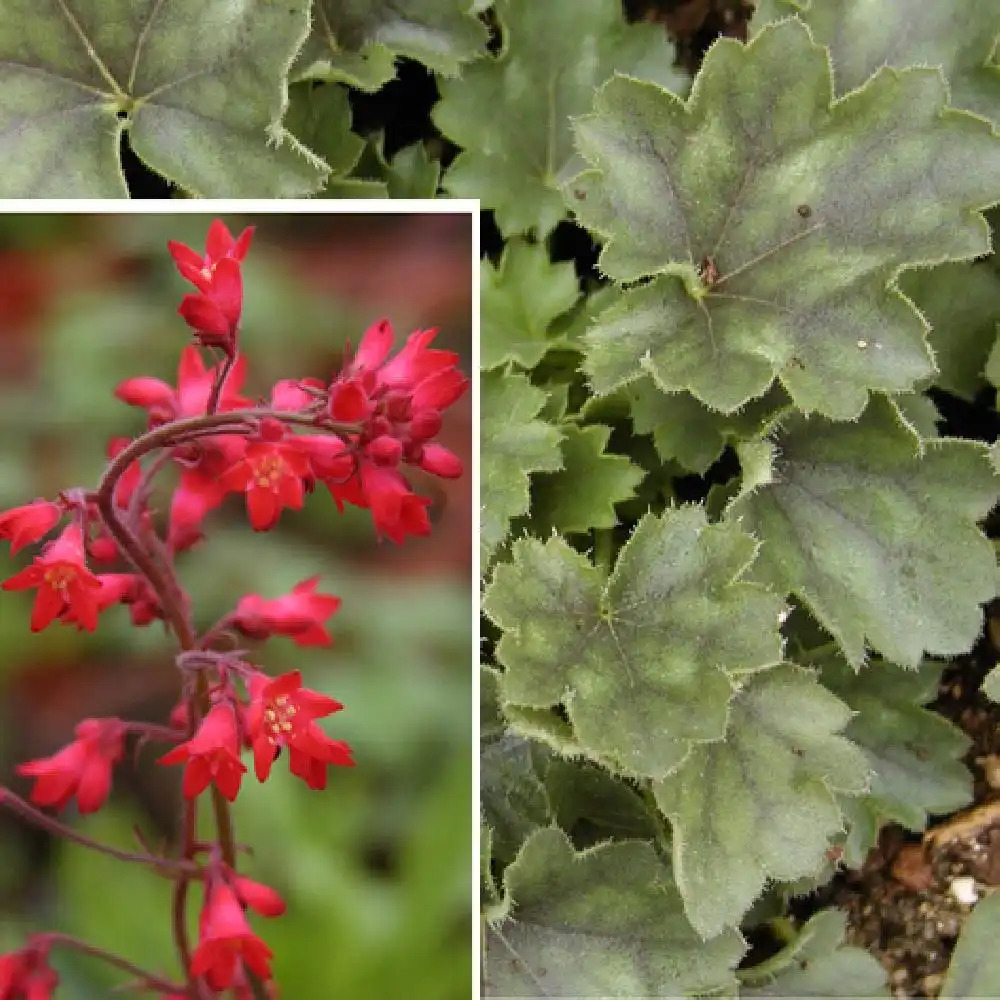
x=817, y=964
x=646, y=661
x=554, y=53
x=583, y=494
x=514, y=444
x=198, y=85
x=513, y=796
x=320, y=118
x=357, y=41
x=685, y=429
x=862, y=39
x=962, y=303
x=874, y=530
x=519, y=300
x=772, y=224
x=605, y=922
x=760, y=803
x=915, y=754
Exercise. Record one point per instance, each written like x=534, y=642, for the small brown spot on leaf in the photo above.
x=804, y=210
x=708, y=272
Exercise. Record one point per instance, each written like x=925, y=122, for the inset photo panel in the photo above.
x=236, y=600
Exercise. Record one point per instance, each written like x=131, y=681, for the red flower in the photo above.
x=376, y=343
x=349, y=401
x=414, y=362
x=260, y=898
x=271, y=474
x=26, y=974
x=299, y=615
x=439, y=390
x=219, y=245
x=225, y=940
x=115, y=588
x=329, y=457
x=212, y=754
x=398, y=403
x=63, y=580
x=283, y=713
x=81, y=769
x=439, y=461
x=190, y=398
x=24, y=525
x=196, y=494
x=293, y=394
x=214, y=313
x=396, y=510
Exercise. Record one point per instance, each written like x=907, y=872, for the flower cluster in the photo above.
x=354, y=434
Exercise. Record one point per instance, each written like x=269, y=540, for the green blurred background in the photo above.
x=376, y=870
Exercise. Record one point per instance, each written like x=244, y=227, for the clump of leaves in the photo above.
x=724, y=531
x=726, y=513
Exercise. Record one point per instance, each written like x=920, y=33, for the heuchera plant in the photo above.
x=353, y=434
x=729, y=540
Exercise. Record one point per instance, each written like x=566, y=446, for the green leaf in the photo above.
x=919, y=412
x=992, y=370
x=411, y=173
x=320, y=117
x=686, y=430
x=513, y=445
x=583, y=794
x=760, y=804
x=991, y=685
x=874, y=530
x=605, y=922
x=487, y=887
x=816, y=964
x=962, y=303
x=863, y=824
x=583, y=494
x=491, y=722
x=773, y=224
x=906, y=34
x=570, y=328
x=545, y=725
x=357, y=41
x=520, y=299
x=975, y=963
x=355, y=187
x=513, y=797
x=203, y=85
x=915, y=754
x=518, y=152
x=646, y=661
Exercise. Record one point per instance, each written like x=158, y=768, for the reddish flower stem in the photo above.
x=216, y=393
x=169, y=867
x=149, y=979
x=164, y=582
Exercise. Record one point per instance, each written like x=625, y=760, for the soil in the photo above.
x=908, y=903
